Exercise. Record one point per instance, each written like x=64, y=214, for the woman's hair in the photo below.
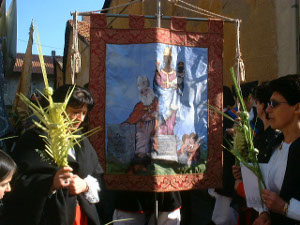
x=287, y=86
x=263, y=93
x=7, y=166
x=78, y=99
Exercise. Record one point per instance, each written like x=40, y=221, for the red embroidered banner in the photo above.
x=136, y=21
x=178, y=23
x=151, y=89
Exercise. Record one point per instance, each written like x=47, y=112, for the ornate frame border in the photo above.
x=213, y=40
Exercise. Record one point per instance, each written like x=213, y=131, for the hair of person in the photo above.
x=263, y=93
x=7, y=166
x=194, y=136
x=228, y=99
x=246, y=88
x=287, y=86
x=191, y=135
x=78, y=99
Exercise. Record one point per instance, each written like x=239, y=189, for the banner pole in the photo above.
x=156, y=209
x=158, y=25
x=158, y=13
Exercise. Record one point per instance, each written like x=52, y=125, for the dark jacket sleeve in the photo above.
x=291, y=183
x=31, y=198
x=33, y=183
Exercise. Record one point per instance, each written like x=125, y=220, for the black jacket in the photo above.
x=30, y=202
x=291, y=182
x=264, y=142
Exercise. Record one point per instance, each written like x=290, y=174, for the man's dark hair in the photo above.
x=263, y=93
x=228, y=99
x=288, y=86
x=7, y=166
x=246, y=88
x=78, y=99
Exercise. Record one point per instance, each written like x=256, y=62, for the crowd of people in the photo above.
x=277, y=109
x=43, y=194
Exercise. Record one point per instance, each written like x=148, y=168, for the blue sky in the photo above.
x=51, y=17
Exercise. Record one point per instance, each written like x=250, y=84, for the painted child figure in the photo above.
x=187, y=153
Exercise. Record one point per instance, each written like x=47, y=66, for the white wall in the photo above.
x=286, y=36
x=11, y=84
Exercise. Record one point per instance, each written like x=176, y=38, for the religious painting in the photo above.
x=158, y=97
x=154, y=96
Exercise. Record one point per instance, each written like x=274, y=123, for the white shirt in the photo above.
x=274, y=172
x=275, y=169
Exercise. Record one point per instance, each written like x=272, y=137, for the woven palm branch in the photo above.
x=54, y=121
x=242, y=146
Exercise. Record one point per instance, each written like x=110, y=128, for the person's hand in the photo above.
x=273, y=201
x=62, y=178
x=77, y=185
x=236, y=171
x=230, y=131
x=236, y=183
x=263, y=219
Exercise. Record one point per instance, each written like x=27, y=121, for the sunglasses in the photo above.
x=273, y=103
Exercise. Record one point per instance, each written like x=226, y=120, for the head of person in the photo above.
x=7, y=170
x=168, y=56
x=247, y=90
x=38, y=99
x=146, y=93
x=262, y=97
x=80, y=102
x=228, y=100
x=284, y=106
x=190, y=140
x=146, y=96
x=35, y=98
x=180, y=68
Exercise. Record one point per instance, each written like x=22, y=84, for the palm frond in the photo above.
x=54, y=121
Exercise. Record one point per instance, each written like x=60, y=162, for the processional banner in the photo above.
x=152, y=88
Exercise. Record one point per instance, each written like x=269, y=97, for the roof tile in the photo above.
x=36, y=66
x=83, y=29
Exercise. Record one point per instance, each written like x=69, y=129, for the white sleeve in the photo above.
x=261, y=209
x=92, y=194
x=293, y=211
